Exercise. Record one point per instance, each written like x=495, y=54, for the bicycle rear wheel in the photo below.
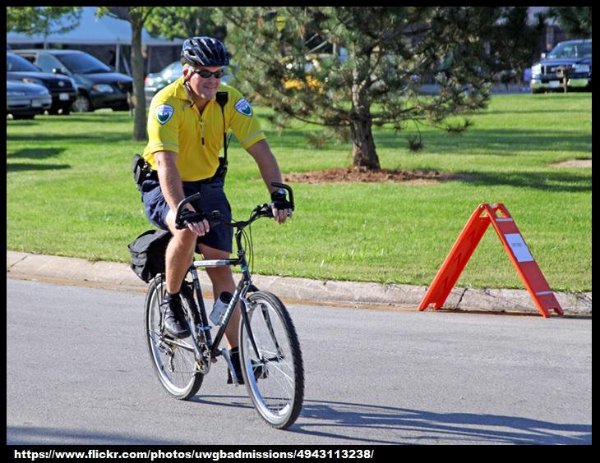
x=173, y=359
x=274, y=375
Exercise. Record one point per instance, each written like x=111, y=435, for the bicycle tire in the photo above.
x=173, y=360
x=275, y=378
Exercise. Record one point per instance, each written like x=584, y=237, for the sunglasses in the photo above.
x=205, y=73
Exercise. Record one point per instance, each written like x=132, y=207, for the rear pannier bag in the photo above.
x=148, y=253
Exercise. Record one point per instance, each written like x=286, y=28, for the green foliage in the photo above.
x=42, y=19
x=576, y=21
x=292, y=58
x=515, y=43
x=70, y=192
x=389, y=55
x=184, y=22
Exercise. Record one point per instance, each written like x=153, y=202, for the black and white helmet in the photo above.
x=204, y=51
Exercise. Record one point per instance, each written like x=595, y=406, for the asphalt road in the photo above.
x=78, y=373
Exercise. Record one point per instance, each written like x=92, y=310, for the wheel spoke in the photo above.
x=277, y=392
x=174, y=359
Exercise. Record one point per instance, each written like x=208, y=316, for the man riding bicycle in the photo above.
x=187, y=121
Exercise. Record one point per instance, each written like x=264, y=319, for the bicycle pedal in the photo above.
x=260, y=371
x=202, y=367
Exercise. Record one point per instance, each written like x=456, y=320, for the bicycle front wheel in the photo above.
x=173, y=359
x=272, y=361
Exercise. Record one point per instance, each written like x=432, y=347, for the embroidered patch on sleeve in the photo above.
x=243, y=107
x=163, y=113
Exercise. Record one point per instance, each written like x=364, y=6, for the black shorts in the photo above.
x=213, y=198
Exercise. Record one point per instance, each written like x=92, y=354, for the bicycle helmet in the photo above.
x=204, y=51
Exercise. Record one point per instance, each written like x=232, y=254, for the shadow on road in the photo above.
x=443, y=428
x=341, y=420
x=329, y=419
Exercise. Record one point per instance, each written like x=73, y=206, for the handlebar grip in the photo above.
x=213, y=219
x=188, y=218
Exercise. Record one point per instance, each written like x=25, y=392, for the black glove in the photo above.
x=188, y=216
x=279, y=200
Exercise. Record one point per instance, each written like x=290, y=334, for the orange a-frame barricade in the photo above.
x=515, y=247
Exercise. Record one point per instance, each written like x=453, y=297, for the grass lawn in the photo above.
x=70, y=193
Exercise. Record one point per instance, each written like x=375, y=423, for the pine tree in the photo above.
x=352, y=68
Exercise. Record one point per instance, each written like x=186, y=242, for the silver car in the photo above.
x=24, y=101
x=157, y=80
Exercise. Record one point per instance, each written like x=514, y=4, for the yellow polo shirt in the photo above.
x=174, y=125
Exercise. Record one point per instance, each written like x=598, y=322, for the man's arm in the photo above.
x=168, y=176
x=172, y=189
x=269, y=170
x=267, y=164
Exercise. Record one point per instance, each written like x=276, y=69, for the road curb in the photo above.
x=118, y=275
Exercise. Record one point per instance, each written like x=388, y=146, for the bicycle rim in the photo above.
x=173, y=359
x=275, y=376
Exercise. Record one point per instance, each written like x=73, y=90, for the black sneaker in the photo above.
x=174, y=321
x=234, y=354
x=259, y=370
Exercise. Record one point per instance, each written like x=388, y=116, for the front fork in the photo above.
x=244, y=286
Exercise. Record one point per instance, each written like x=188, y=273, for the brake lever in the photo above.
x=266, y=210
x=261, y=211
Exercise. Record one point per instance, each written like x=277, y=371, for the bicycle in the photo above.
x=270, y=355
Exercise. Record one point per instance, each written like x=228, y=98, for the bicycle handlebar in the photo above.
x=185, y=216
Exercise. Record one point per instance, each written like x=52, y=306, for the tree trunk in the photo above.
x=364, y=154
x=137, y=66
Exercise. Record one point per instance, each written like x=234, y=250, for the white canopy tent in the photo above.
x=91, y=30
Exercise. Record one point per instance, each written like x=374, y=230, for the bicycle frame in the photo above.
x=243, y=286
x=270, y=359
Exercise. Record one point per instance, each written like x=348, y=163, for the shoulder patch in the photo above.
x=243, y=107
x=163, y=113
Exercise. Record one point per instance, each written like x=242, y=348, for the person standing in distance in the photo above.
x=186, y=126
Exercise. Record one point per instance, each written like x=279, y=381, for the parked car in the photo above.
x=572, y=56
x=98, y=84
x=24, y=101
x=61, y=88
x=156, y=81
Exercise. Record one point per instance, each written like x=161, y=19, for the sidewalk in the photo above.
x=391, y=297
